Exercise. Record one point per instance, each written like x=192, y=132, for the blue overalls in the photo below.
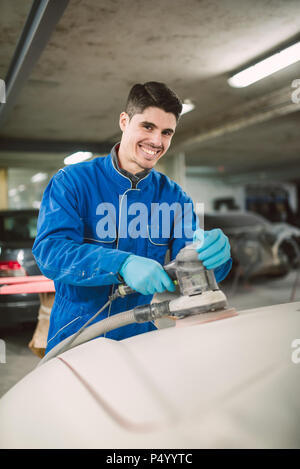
x=82, y=241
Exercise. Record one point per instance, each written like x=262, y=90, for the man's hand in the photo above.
x=146, y=276
x=213, y=249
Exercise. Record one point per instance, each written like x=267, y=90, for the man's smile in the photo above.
x=149, y=152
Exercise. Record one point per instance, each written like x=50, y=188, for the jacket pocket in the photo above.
x=94, y=233
x=157, y=248
x=100, y=242
x=66, y=318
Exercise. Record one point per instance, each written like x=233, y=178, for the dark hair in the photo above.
x=153, y=94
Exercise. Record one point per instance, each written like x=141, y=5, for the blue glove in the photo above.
x=146, y=276
x=213, y=249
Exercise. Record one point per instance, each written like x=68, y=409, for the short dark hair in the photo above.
x=152, y=94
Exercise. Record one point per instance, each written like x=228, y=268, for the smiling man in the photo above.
x=146, y=138
x=86, y=262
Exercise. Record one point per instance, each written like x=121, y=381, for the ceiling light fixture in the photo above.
x=266, y=67
x=38, y=177
x=187, y=106
x=78, y=157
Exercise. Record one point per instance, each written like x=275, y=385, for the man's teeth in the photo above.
x=150, y=152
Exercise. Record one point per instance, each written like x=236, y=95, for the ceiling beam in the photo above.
x=41, y=21
x=264, y=108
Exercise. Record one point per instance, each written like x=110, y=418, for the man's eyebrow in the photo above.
x=155, y=126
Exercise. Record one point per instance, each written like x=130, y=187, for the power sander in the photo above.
x=199, y=291
x=199, y=295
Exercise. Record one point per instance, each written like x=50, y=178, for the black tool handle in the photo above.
x=125, y=290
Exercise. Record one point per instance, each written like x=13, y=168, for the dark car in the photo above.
x=258, y=247
x=17, y=233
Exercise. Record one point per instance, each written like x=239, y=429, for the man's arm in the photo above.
x=59, y=249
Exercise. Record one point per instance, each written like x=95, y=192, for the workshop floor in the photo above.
x=20, y=360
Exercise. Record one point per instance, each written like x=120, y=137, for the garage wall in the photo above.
x=206, y=190
x=26, y=187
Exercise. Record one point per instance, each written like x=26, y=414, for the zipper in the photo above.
x=117, y=238
x=133, y=186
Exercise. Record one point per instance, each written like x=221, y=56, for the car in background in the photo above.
x=17, y=233
x=258, y=247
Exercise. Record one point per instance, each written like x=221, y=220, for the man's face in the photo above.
x=146, y=138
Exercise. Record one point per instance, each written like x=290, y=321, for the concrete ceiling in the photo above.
x=98, y=50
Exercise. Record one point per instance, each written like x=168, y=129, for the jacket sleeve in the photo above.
x=189, y=222
x=59, y=247
x=185, y=223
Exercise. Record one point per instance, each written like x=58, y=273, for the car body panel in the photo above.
x=230, y=383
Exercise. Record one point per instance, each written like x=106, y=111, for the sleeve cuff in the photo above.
x=223, y=270
x=120, y=278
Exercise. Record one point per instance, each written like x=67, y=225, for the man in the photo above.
x=89, y=236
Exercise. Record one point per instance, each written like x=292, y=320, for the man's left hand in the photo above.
x=213, y=248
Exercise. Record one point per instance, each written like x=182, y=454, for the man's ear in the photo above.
x=124, y=120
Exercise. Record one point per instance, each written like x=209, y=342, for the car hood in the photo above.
x=225, y=384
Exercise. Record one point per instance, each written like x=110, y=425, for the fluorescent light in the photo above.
x=266, y=67
x=36, y=204
x=38, y=177
x=187, y=106
x=78, y=157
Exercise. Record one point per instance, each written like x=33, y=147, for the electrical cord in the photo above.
x=110, y=300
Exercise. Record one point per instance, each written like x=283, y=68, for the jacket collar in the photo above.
x=135, y=178
x=121, y=178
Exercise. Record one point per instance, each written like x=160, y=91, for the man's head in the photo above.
x=148, y=124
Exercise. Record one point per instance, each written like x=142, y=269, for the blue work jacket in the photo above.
x=82, y=241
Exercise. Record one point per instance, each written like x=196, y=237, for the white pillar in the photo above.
x=174, y=167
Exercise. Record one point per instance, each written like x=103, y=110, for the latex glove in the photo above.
x=146, y=276
x=213, y=248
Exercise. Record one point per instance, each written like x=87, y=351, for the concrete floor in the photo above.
x=264, y=292
x=19, y=358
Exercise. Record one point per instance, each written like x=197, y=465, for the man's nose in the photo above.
x=156, y=139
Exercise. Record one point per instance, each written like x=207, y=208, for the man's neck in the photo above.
x=135, y=177
x=130, y=167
